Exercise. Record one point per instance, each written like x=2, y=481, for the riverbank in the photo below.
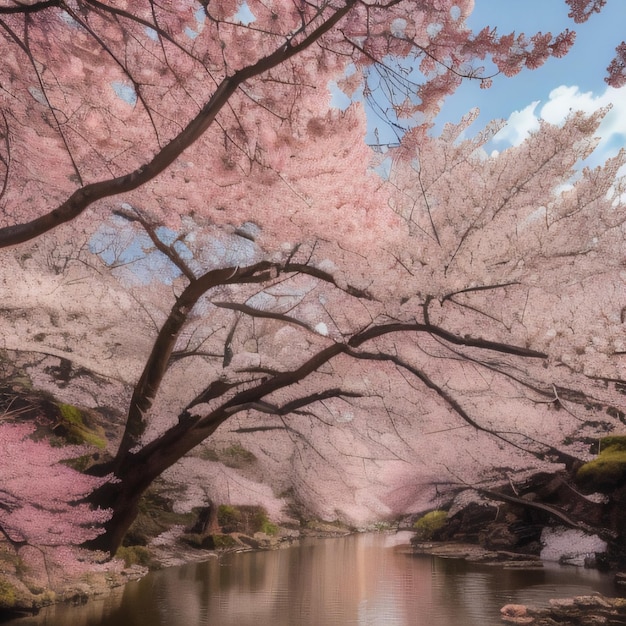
x=588, y=610
x=26, y=590
x=474, y=553
x=475, y=528
x=577, y=611
x=171, y=550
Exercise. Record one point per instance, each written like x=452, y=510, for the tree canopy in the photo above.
x=241, y=256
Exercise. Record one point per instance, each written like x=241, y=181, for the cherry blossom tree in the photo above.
x=41, y=499
x=435, y=291
x=123, y=93
x=486, y=300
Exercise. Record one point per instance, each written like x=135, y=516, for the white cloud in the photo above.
x=565, y=99
x=561, y=102
x=519, y=125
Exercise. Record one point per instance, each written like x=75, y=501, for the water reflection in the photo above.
x=357, y=580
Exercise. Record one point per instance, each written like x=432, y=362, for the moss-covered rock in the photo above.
x=8, y=596
x=135, y=555
x=77, y=428
x=199, y=541
x=224, y=541
x=608, y=470
x=427, y=525
x=245, y=519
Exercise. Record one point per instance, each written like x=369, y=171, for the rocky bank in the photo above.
x=577, y=611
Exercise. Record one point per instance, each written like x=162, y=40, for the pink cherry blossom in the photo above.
x=40, y=497
x=400, y=323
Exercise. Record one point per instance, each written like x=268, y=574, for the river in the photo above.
x=354, y=580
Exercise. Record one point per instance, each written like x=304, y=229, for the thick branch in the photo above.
x=87, y=195
x=30, y=8
x=298, y=403
x=156, y=366
x=484, y=344
x=191, y=430
x=427, y=381
x=327, y=277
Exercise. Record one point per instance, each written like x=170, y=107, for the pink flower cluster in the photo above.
x=39, y=495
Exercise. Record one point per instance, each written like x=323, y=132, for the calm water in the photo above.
x=358, y=580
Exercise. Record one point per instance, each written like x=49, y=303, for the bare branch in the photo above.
x=254, y=312
x=169, y=251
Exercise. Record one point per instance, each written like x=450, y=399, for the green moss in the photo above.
x=135, y=555
x=224, y=541
x=76, y=430
x=269, y=528
x=613, y=442
x=7, y=595
x=71, y=414
x=228, y=517
x=427, y=525
x=608, y=470
x=245, y=519
x=236, y=456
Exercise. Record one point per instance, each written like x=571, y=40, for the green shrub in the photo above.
x=245, y=519
x=268, y=528
x=427, y=525
x=613, y=442
x=229, y=518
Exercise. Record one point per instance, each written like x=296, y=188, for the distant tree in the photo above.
x=340, y=289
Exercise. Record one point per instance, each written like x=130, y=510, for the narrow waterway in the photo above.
x=360, y=580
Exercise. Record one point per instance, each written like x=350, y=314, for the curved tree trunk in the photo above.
x=134, y=473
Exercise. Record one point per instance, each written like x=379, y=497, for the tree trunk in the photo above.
x=134, y=473
x=207, y=523
x=122, y=498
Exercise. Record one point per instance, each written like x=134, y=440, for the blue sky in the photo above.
x=575, y=81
